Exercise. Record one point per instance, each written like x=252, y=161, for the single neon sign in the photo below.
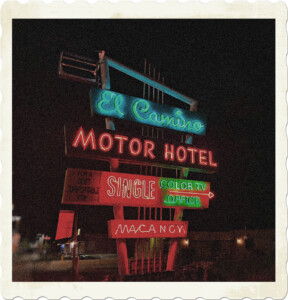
x=89, y=187
x=112, y=104
x=147, y=229
x=93, y=143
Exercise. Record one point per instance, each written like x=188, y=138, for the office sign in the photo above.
x=65, y=224
x=127, y=229
x=93, y=143
x=112, y=104
x=89, y=187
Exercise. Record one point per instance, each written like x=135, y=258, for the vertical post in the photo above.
x=178, y=211
x=142, y=256
x=136, y=256
x=75, y=263
x=123, y=267
x=149, y=254
x=174, y=242
x=105, y=76
x=160, y=255
x=154, y=254
x=121, y=245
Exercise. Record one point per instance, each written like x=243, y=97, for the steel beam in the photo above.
x=150, y=81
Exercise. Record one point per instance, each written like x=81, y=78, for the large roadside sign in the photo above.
x=88, y=187
x=87, y=141
x=116, y=105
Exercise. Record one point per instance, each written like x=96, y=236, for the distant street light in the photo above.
x=240, y=241
x=185, y=242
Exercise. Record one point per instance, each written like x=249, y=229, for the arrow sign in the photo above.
x=188, y=193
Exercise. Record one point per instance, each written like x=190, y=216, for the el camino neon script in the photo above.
x=89, y=187
x=112, y=104
x=94, y=143
x=126, y=229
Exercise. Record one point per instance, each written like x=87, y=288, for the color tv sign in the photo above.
x=112, y=104
x=89, y=187
x=94, y=143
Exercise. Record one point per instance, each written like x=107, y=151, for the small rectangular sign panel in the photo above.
x=87, y=141
x=81, y=187
x=112, y=104
x=130, y=229
x=65, y=224
x=89, y=187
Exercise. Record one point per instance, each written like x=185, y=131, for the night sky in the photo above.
x=227, y=65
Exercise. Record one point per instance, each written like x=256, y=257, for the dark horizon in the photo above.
x=227, y=65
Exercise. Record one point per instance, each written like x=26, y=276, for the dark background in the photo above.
x=227, y=65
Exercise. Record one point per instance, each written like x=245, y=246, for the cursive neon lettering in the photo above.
x=110, y=102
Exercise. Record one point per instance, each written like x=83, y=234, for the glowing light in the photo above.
x=121, y=142
x=210, y=158
x=80, y=138
x=211, y=195
x=185, y=193
x=183, y=156
x=106, y=144
x=146, y=228
x=192, y=151
x=149, y=146
x=107, y=137
x=183, y=201
x=169, y=153
x=121, y=106
x=111, y=104
x=240, y=241
x=185, y=242
x=183, y=185
x=138, y=144
x=89, y=187
x=202, y=157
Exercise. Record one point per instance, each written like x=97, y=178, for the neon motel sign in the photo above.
x=147, y=229
x=94, y=143
x=87, y=187
x=112, y=104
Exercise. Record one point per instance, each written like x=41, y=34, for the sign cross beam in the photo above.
x=148, y=80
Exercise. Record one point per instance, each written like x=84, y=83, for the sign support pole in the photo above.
x=178, y=212
x=174, y=242
x=75, y=252
x=114, y=167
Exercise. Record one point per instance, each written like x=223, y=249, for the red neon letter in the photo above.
x=110, y=184
x=126, y=188
x=168, y=152
x=131, y=146
x=148, y=149
x=192, y=150
x=137, y=190
x=184, y=154
x=211, y=163
x=121, y=139
x=84, y=141
x=110, y=142
x=202, y=157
